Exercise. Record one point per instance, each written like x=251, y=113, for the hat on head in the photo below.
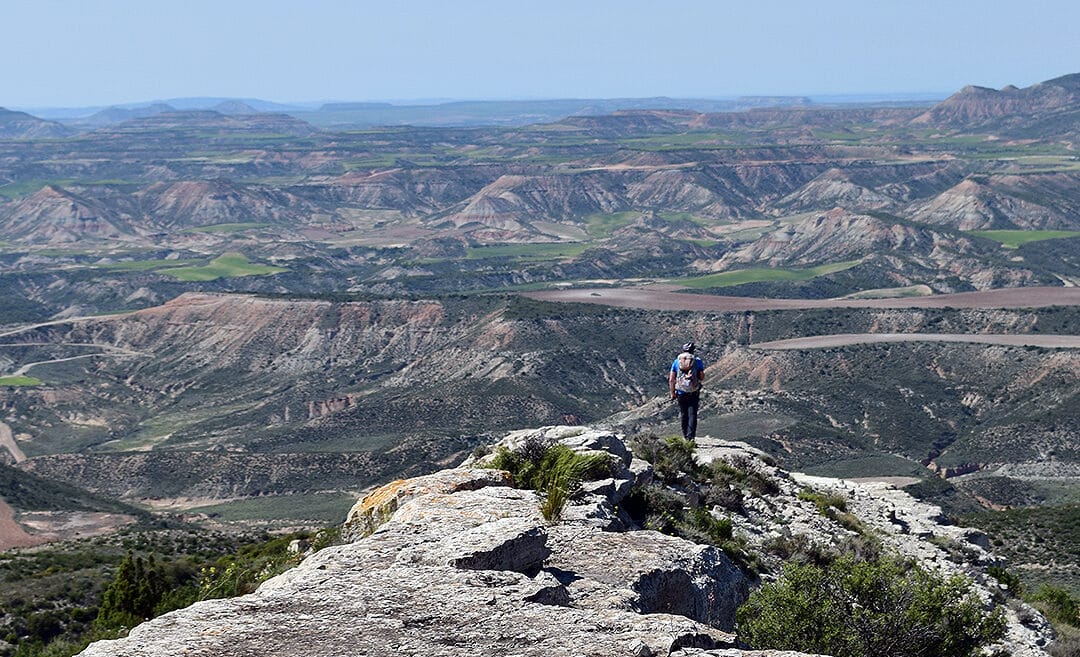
x=689, y=346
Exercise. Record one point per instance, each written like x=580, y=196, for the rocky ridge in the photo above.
x=460, y=563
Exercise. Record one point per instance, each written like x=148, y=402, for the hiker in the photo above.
x=687, y=374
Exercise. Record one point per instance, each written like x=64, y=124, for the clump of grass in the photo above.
x=834, y=507
x=551, y=469
x=672, y=458
x=824, y=501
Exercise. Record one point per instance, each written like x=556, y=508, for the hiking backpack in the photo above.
x=686, y=379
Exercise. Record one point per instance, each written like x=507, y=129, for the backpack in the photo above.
x=686, y=379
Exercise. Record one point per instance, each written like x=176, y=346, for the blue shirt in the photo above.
x=698, y=368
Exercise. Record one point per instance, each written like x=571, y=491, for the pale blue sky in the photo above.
x=100, y=52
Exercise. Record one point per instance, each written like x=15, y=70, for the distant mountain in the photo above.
x=234, y=108
x=179, y=123
x=1012, y=109
x=58, y=215
x=20, y=125
x=522, y=112
x=113, y=115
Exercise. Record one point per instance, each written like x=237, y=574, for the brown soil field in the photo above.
x=652, y=298
x=844, y=339
x=12, y=535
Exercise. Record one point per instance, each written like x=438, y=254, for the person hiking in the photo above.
x=684, y=381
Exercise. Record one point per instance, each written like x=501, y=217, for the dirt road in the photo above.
x=845, y=339
x=659, y=299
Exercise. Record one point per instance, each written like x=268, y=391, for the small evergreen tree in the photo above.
x=133, y=594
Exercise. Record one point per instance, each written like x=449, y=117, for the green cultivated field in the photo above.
x=541, y=251
x=739, y=277
x=19, y=381
x=603, y=225
x=140, y=265
x=229, y=265
x=228, y=228
x=324, y=507
x=1012, y=239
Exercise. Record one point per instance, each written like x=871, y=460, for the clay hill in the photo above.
x=216, y=398
x=630, y=194
x=1015, y=111
x=20, y=125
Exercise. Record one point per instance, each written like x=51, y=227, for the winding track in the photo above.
x=845, y=339
x=664, y=298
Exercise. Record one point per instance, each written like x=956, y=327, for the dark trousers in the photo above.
x=688, y=403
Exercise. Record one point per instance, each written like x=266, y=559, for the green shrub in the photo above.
x=553, y=470
x=868, y=609
x=671, y=457
x=1007, y=578
x=824, y=501
x=1057, y=604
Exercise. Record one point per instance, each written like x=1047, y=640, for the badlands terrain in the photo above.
x=224, y=319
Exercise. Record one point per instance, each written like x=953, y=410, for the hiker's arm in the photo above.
x=701, y=375
x=671, y=383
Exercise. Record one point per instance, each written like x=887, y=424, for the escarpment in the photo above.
x=460, y=562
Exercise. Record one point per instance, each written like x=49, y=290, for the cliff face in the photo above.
x=460, y=563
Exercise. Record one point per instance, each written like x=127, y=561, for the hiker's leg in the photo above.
x=690, y=424
x=684, y=413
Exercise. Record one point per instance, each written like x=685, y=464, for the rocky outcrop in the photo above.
x=460, y=563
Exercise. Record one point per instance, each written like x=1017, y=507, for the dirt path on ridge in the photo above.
x=654, y=298
x=846, y=339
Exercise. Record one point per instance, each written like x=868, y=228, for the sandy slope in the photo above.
x=11, y=533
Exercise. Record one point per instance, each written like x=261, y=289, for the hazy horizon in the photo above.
x=104, y=53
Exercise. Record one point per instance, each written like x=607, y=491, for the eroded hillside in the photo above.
x=215, y=397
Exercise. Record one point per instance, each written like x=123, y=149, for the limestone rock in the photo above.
x=377, y=507
x=458, y=564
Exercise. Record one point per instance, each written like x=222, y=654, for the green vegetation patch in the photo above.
x=603, y=225
x=322, y=507
x=228, y=228
x=1040, y=543
x=529, y=251
x=551, y=469
x=683, y=141
x=29, y=492
x=229, y=265
x=865, y=609
x=1012, y=239
x=762, y=275
x=20, y=381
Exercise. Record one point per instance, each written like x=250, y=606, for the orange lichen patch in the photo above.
x=378, y=506
x=381, y=497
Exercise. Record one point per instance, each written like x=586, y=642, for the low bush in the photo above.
x=866, y=609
